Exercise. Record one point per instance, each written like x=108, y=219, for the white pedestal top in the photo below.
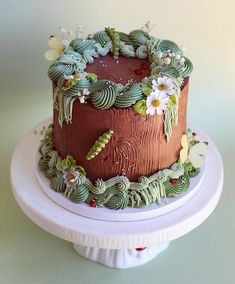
x=107, y=234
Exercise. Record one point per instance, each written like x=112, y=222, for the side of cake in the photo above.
x=119, y=133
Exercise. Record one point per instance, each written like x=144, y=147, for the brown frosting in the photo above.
x=138, y=146
x=120, y=70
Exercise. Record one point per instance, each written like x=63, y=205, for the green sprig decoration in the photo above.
x=99, y=144
x=115, y=37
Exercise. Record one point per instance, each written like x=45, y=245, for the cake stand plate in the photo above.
x=115, y=244
x=106, y=214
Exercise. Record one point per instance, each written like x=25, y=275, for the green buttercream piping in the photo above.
x=127, y=50
x=142, y=52
x=102, y=38
x=129, y=97
x=117, y=192
x=139, y=37
x=57, y=182
x=105, y=98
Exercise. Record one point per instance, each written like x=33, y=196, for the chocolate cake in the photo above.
x=119, y=134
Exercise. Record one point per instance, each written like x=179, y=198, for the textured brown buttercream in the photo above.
x=138, y=146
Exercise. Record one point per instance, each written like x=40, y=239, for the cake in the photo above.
x=119, y=136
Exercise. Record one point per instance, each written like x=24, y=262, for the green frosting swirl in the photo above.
x=139, y=37
x=182, y=185
x=129, y=97
x=125, y=38
x=68, y=64
x=105, y=98
x=102, y=38
x=142, y=52
x=165, y=45
x=80, y=45
x=57, y=182
x=79, y=194
x=186, y=68
x=127, y=50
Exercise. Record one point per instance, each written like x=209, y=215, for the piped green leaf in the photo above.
x=141, y=107
x=92, y=76
x=68, y=162
x=172, y=100
x=146, y=90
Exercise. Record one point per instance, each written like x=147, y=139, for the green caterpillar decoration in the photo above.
x=99, y=144
x=115, y=40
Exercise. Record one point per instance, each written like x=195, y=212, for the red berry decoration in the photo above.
x=140, y=249
x=173, y=181
x=138, y=71
x=66, y=83
x=92, y=203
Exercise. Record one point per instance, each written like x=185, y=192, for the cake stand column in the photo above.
x=120, y=258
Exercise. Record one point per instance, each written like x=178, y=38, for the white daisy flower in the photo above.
x=163, y=85
x=70, y=177
x=156, y=102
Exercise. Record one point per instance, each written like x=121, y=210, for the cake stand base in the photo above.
x=120, y=258
x=111, y=243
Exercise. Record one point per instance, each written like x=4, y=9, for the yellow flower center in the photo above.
x=70, y=176
x=162, y=87
x=156, y=103
x=76, y=76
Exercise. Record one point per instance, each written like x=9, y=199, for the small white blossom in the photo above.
x=82, y=97
x=69, y=77
x=182, y=60
x=163, y=85
x=70, y=177
x=159, y=54
x=177, y=56
x=167, y=60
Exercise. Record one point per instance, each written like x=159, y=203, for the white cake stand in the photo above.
x=108, y=242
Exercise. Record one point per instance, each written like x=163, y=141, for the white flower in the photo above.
x=163, y=85
x=177, y=56
x=69, y=77
x=83, y=76
x=167, y=60
x=182, y=60
x=70, y=177
x=82, y=97
x=86, y=92
x=77, y=76
x=159, y=54
x=156, y=102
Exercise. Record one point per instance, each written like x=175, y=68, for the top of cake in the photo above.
x=149, y=73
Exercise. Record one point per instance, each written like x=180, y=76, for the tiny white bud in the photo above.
x=182, y=60
x=177, y=56
x=172, y=54
x=159, y=54
x=62, y=30
x=167, y=60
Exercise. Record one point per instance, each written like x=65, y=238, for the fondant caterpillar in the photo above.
x=115, y=40
x=99, y=144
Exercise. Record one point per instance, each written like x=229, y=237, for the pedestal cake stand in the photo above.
x=125, y=238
